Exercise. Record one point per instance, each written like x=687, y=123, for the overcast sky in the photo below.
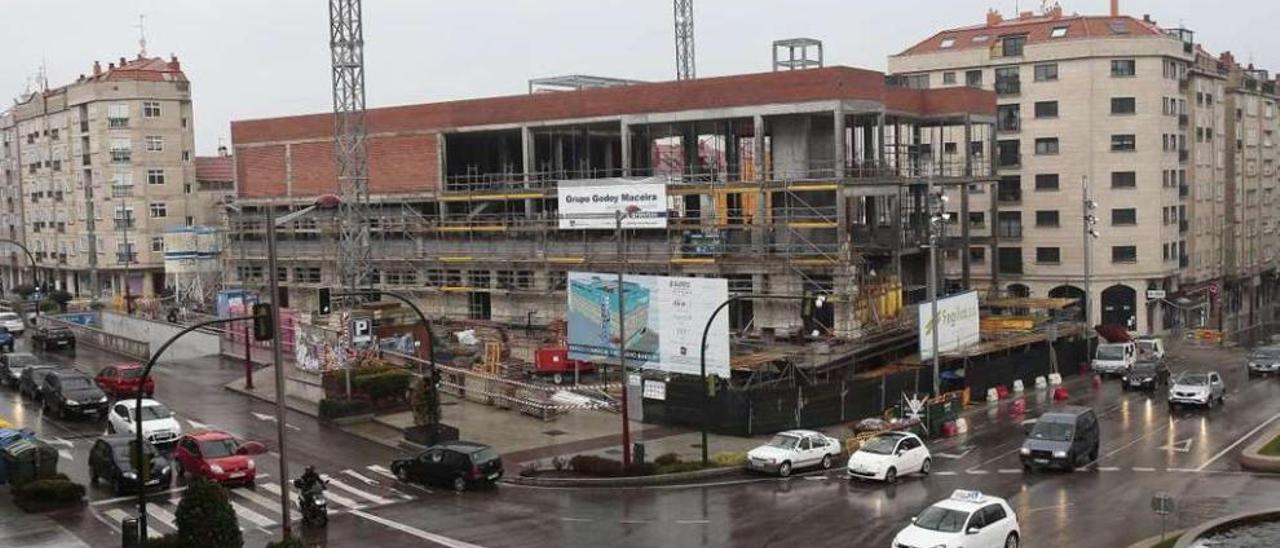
x=263, y=58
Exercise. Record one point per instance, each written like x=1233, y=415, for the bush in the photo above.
x=331, y=408
x=288, y=542
x=679, y=467
x=591, y=465
x=24, y=290
x=388, y=384
x=729, y=458
x=49, y=306
x=205, y=518
x=425, y=402
x=49, y=492
x=667, y=459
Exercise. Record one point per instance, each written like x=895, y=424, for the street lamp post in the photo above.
x=1088, y=220
x=937, y=227
x=622, y=331
x=273, y=283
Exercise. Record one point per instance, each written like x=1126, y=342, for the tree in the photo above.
x=24, y=290
x=61, y=297
x=205, y=518
x=425, y=403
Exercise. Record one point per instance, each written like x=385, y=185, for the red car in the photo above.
x=124, y=380
x=217, y=456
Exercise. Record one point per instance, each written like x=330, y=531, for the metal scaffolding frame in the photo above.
x=346, y=44
x=685, y=67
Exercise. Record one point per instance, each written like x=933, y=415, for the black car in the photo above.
x=1145, y=375
x=1066, y=437
x=458, y=464
x=33, y=378
x=68, y=392
x=111, y=460
x=53, y=336
x=12, y=364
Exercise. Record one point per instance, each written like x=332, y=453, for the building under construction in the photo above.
x=784, y=182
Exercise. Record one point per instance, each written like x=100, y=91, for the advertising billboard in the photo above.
x=664, y=318
x=957, y=324
x=594, y=204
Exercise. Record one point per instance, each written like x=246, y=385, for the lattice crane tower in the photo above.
x=684, y=40
x=346, y=44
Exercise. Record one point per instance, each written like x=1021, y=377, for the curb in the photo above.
x=1253, y=459
x=1152, y=541
x=288, y=401
x=1193, y=534
x=691, y=478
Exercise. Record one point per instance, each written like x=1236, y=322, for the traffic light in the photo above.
x=326, y=305
x=262, y=328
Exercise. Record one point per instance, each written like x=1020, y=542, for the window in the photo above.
x=186, y=155
x=53, y=133
x=155, y=176
x=1046, y=109
x=1008, y=118
x=150, y=109
x=155, y=143
x=1048, y=255
x=1011, y=260
x=973, y=78
x=1058, y=32
x=1008, y=81
x=948, y=78
x=1047, y=218
x=158, y=210
x=977, y=218
x=1047, y=72
x=1124, y=67
x=157, y=243
x=1124, y=254
x=916, y=81
x=1124, y=216
x=1047, y=181
x=118, y=115
x=1123, y=143
x=1012, y=45
x=121, y=150
x=977, y=254
x=1118, y=27
x=1124, y=179
x=306, y=274
x=1047, y=145
x=981, y=38
x=1124, y=105
x=947, y=43
x=1008, y=153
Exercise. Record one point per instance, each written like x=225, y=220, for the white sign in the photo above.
x=957, y=324
x=664, y=319
x=595, y=204
x=1153, y=294
x=655, y=390
x=361, y=331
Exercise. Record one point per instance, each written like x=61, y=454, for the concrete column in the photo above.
x=526, y=152
x=758, y=146
x=840, y=147
x=965, y=267
x=625, y=137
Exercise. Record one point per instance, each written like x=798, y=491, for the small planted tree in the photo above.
x=61, y=297
x=425, y=403
x=24, y=290
x=205, y=518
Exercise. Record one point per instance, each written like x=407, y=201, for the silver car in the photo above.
x=1264, y=361
x=1200, y=388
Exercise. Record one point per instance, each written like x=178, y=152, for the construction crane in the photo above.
x=684, y=40
x=346, y=45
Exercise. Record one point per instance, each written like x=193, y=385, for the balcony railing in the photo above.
x=123, y=258
x=1010, y=231
x=117, y=123
x=1008, y=86
x=1009, y=196
x=121, y=191
x=121, y=156
x=1005, y=161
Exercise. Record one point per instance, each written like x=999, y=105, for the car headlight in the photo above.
x=72, y=402
x=130, y=476
x=939, y=546
x=1025, y=450
x=252, y=465
x=103, y=399
x=164, y=471
x=215, y=468
x=1060, y=454
x=1125, y=378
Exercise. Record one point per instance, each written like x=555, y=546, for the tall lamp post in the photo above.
x=938, y=218
x=619, y=216
x=34, y=271
x=1088, y=234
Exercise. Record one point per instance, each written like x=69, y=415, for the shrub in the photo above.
x=331, y=408
x=729, y=458
x=24, y=290
x=205, y=518
x=49, y=306
x=679, y=467
x=559, y=462
x=666, y=459
x=425, y=403
x=54, y=491
x=388, y=384
x=288, y=542
x=591, y=465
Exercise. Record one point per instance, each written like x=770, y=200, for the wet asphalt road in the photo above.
x=1145, y=449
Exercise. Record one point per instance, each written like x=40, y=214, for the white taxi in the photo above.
x=969, y=519
x=794, y=449
x=890, y=455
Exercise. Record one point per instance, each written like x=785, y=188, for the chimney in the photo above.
x=1055, y=12
x=173, y=62
x=122, y=62
x=1115, y=8
x=222, y=151
x=1227, y=59
x=97, y=68
x=111, y=66
x=993, y=18
x=1024, y=15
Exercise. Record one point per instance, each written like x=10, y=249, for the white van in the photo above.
x=1151, y=346
x=1114, y=358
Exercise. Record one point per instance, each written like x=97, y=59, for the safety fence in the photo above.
x=97, y=338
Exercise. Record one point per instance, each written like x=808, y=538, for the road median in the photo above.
x=680, y=478
x=1262, y=455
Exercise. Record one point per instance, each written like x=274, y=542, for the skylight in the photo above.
x=947, y=42
x=1118, y=27
x=1058, y=32
x=980, y=38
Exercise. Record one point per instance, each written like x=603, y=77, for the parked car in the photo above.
x=794, y=449
x=968, y=518
x=217, y=456
x=123, y=380
x=159, y=426
x=111, y=459
x=6, y=340
x=1264, y=361
x=888, y=456
x=33, y=378
x=1150, y=346
x=69, y=392
x=1201, y=388
x=1114, y=358
x=53, y=336
x=1145, y=374
x=12, y=364
x=13, y=322
x=1066, y=437
x=458, y=464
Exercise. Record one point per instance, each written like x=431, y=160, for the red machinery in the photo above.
x=554, y=361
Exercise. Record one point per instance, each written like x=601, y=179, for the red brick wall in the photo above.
x=260, y=171
x=397, y=164
x=404, y=163
x=314, y=169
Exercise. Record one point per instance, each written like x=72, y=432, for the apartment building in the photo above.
x=1107, y=102
x=14, y=266
x=99, y=169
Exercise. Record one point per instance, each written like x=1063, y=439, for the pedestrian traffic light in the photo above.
x=262, y=328
x=326, y=305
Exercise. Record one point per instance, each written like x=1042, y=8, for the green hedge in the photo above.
x=57, y=490
x=337, y=408
x=388, y=384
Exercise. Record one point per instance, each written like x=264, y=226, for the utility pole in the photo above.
x=622, y=340
x=273, y=284
x=1088, y=220
x=685, y=69
x=937, y=223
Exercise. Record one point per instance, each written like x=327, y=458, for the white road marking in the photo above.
x=197, y=425
x=357, y=475
x=693, y=521
x=381, y=470
x=1182, y=470
x=64, y=454
x=272, y=418
x=257, y=519
x=944, y=473
x=55, y=440
x=1108, y=468
x=976, y=472
x=154, y=510
x=117, y=515
x=366, y=496
x=816, y=478
x=424, y=535
x=114, y=500
x=250, y=495
x=581, y=520
x=633, y=521
x=1233, y=445
x=1009, y=471
x=1143, y=469
x=954, y=456
x=274, y=490
x=1180, y=446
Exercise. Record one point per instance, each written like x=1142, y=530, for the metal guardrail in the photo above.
x=92, y=336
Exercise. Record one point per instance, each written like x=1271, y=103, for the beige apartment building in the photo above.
x=95, y=172
x=1110, y=102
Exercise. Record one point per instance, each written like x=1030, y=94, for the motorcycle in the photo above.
x=315, y=509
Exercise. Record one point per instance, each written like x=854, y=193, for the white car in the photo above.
x=12, y=322
x=888, y=456
x=969, y=519
x=159, y=425
x=794, y=449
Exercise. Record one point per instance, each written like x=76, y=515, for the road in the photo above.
x=1145, y=449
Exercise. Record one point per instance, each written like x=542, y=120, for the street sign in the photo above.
x=361, y=331
x=1162, y=504
x=1153, y=294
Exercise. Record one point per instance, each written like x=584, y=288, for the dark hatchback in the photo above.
x=111, y=460
x=69, y=392
x=457, y=464
x=1145, y=375
x=33, y=378
x=12, y=364
x=50, y=337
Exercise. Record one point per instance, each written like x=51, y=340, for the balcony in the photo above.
x=85, y=160
x=1183, y=120
x=123, y=258
x=121, y=156
x=1183, y=226
x=122, y=223
x=1184, y=191
x=1184, y=261
x=1009, y=231
x=1009, y=160
x=1008, y=86
x=1009, y=196
x=62, y=258
x=117, y=123
x=84, y=126
x=121, y=191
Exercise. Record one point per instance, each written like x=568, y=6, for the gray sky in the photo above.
x=263, y=58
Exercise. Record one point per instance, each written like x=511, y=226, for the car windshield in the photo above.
x=21, y=359
x=8, y=316
x=216, y=449
x=123, y=452
x=1052, y=431
x=75, y=383
x=945, y=520
x=784, y=441
x=155, y=412
x=1106, y=352
x=484, y=455
x=1146, y=346
x=1193, y=379
x=880, y=445
x=131, y=373
x=1144, y=367
x=1267, y=353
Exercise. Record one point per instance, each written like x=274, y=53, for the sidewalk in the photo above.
x=264, y=388
x=18, y=528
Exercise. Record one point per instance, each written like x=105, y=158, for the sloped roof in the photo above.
x=1037, y=30
x=215, y=168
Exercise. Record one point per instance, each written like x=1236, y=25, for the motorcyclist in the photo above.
x=308, y=479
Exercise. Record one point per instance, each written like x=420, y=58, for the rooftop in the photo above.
x=1048, y=27
x=216, y=168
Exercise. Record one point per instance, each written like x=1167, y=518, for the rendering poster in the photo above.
x=664, y=320
x=594, y=204
x=957, y=324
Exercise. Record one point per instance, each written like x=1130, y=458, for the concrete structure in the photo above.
x=98, y=169
x=1111, y=100
x=806, y=180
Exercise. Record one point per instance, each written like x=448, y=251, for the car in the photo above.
x=217, y=456
x=123, y=380
x=6, y=340
x=111, y=460
x=68, y=392
x=1114, y=358
x=794, y=449
x=1150, y=346
x=33, y=378
x=12, y=364
x=159, y=426
x=968, y=518
x=457, y=464
x=1201, y=388
x=1065, y=437
x=1145, y=374
x=1264, y=360
x=13, y=322
x=53, y=336
x=888, y=456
